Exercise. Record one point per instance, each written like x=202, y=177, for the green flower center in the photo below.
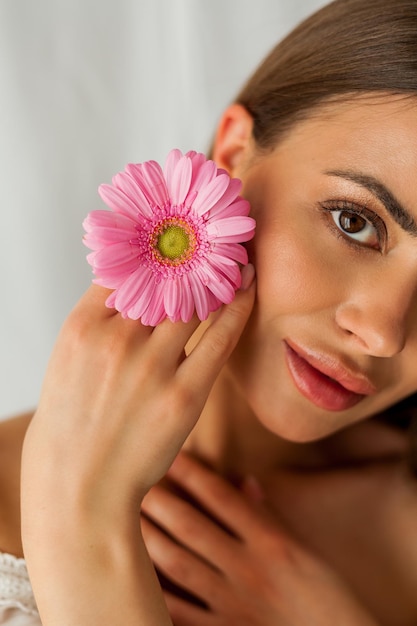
x=173, y=241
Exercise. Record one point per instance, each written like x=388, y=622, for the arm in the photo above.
x=118, y=401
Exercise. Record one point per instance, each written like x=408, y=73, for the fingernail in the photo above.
x=248, y=276
x=252, y=488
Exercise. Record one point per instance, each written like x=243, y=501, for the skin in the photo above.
x=319, y=304
x=304, y=543
x=248, y=425
x=85, y=495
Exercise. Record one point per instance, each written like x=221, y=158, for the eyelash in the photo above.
x=355, y=210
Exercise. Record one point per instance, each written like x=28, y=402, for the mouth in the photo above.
x=325, y=381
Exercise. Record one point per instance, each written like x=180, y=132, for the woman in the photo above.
x=292, y=501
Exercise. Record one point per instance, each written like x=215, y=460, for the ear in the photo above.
x=233, y=138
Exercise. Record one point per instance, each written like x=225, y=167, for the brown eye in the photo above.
x=355, y=226
x=351, y=223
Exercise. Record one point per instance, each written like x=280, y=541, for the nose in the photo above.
x=378, y=319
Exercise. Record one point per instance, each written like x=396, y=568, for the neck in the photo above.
x=232, y=440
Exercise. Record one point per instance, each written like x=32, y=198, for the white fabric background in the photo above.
x=85, y=87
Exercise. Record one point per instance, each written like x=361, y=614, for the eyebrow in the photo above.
x=392, y=205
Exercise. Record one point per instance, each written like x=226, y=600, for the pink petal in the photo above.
x=150, y=178
x=229, y=196
x=180, y=183
x=187, y=302
x=210, y=194
x=200, y=296
x=217, y=284
x=108, y=235
x=111, y=300
x=203, y=172
x=213, y=302
x=105, y=227
x=118, y=201
x=197, y=157
x=95, y=243
x=113, y=277
x=155, y=312
x=139, y=307
x=237, y=208
x=170, y=164
x=110, y=282
x=154, y=180
x=227, y=267
x=112, y=255
x=129, y=292
x=172, y=298
x=126, y=183
x=103, y=217
x=231, y=229
x=122, y=268
x=233, y=251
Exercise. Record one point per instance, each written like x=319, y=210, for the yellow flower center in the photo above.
x=173, y=242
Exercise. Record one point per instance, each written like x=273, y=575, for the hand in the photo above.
x=120, y=398
x=252, y=574
x=117, y=403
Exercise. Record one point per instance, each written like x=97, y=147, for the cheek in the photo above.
x=293, y=275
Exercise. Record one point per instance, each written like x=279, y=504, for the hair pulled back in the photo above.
x=349, y=47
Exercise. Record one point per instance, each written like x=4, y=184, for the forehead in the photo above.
x=376, y=135
x=380, y=120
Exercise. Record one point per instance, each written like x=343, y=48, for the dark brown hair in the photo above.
x=350, y=47
x=347, y=49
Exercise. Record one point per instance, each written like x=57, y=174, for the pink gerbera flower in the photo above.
x=172, y=243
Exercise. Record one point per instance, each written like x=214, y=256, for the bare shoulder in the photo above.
x=12, y=433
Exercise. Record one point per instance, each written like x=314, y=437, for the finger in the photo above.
x=192, y=528
x=173, y=337
x=184, y=613
x=215, y=494
x=218, y=342
x=93, y=303
x=91, y=321
x=92, y=309
x=170, y=338
x=179, y=565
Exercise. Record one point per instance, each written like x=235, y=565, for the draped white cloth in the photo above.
x=85, y=87
x=17, y=604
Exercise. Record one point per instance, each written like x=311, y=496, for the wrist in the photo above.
x=95, y=579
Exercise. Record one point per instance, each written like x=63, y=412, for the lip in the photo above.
x=325, y=380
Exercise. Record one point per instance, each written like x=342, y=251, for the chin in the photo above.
x=303, y=426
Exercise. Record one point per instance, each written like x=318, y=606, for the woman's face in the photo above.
x=333, y=336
